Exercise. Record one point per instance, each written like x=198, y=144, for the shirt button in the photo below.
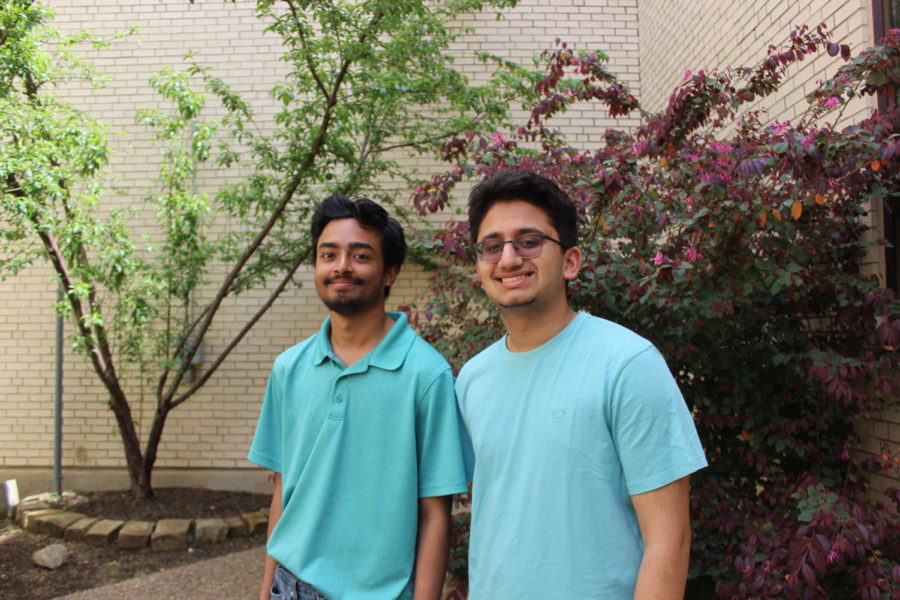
x=340, y=399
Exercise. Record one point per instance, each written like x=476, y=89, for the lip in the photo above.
x=512, y=280
x=341, y=282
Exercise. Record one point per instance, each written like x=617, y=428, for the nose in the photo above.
x=342, y=264
x=509, y=257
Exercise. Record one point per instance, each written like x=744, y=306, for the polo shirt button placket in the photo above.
x=338, y=407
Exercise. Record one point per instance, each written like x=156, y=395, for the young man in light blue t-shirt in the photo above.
x=580, y=443
x=360, y=425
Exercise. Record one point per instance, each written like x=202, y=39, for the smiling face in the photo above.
x=350, y=274
x=520, y=284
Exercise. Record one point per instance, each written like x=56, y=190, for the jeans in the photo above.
x=287, y=587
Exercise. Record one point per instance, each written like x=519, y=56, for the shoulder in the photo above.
x=482, y=360
x=600, y=333
x=297, y=352
x=424, y=358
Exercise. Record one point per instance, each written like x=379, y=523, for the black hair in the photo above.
x=369, y=215
x=528, y=187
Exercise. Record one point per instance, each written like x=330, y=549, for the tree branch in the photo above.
x=296, y=180
x=304, y=43
x=240, y=335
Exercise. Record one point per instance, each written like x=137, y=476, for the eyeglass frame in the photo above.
x=478, y=247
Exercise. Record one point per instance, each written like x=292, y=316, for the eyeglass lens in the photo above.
x=526, y=246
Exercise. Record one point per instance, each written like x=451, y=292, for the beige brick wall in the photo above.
x=716, y=34
x=206, y=438
x=210, y=433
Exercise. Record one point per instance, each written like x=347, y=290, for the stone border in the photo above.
x=38, y=516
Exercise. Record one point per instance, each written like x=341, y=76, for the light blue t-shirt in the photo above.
x=357, y=447
x=562, y=436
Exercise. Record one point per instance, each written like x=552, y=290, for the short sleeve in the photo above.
x=652, y=427
x=468, y=451
x=265, y=450
x=438, y=445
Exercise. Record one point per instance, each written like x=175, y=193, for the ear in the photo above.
x=390, y=275
x=571, y=263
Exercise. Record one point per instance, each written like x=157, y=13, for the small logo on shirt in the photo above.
x=557, y=415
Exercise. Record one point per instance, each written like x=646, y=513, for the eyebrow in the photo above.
x=519, y=232
x=353, y=245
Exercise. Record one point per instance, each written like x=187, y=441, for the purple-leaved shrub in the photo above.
x=735, y=246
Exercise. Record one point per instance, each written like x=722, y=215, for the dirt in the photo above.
x=90, y=567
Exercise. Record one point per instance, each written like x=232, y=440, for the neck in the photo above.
x=353, y=336
x=529, y=329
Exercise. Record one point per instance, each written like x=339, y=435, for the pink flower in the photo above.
x=690, y=253
x=686, y=74
x=832, y=556
x=720, y=147
x=497, y=138
x=658, y=259
x=832, y=102
x=637, y=147
x=456, y=169
x=689, y=201
x=809, y=140
x=780, y=128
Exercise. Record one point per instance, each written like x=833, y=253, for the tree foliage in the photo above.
x=363, y=83
x=735, y=246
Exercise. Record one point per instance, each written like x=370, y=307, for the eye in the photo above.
x=326, y=255
x=529, y=242
x=491, y=246
x=361, y=256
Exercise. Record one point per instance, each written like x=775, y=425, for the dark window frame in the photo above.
x=890, y=208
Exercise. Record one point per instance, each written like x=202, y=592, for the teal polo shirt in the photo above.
x=357, y=447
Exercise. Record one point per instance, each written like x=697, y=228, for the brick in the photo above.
x=57, y=524
x=135, y=535
x=77, y=531
x=170, y=534
x=103, y=533
x=237, y=527
x=209, y=531
x=256, y=522
x=31, y=519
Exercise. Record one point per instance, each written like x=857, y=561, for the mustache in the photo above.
x=354, y=280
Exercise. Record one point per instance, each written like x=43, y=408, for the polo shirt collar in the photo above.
x=389, y=354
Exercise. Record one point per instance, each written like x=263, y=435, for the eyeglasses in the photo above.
x=526, y=246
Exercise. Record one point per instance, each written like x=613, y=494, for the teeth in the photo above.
x=511, y=279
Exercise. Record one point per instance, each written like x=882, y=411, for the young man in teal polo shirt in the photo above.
x=360, y=425
x=581, y=444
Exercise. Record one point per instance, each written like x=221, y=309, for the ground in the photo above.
x=90, y=567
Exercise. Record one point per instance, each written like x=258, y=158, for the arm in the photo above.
x=274, y=515
x=664, y=518
x=432, y=547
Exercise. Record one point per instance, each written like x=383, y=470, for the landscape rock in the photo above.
x=103, y=532
x=170, y=534
x=51, y=557
x=209, y=531
x=135, y=535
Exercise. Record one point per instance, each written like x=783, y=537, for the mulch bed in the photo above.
x=89, y=567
